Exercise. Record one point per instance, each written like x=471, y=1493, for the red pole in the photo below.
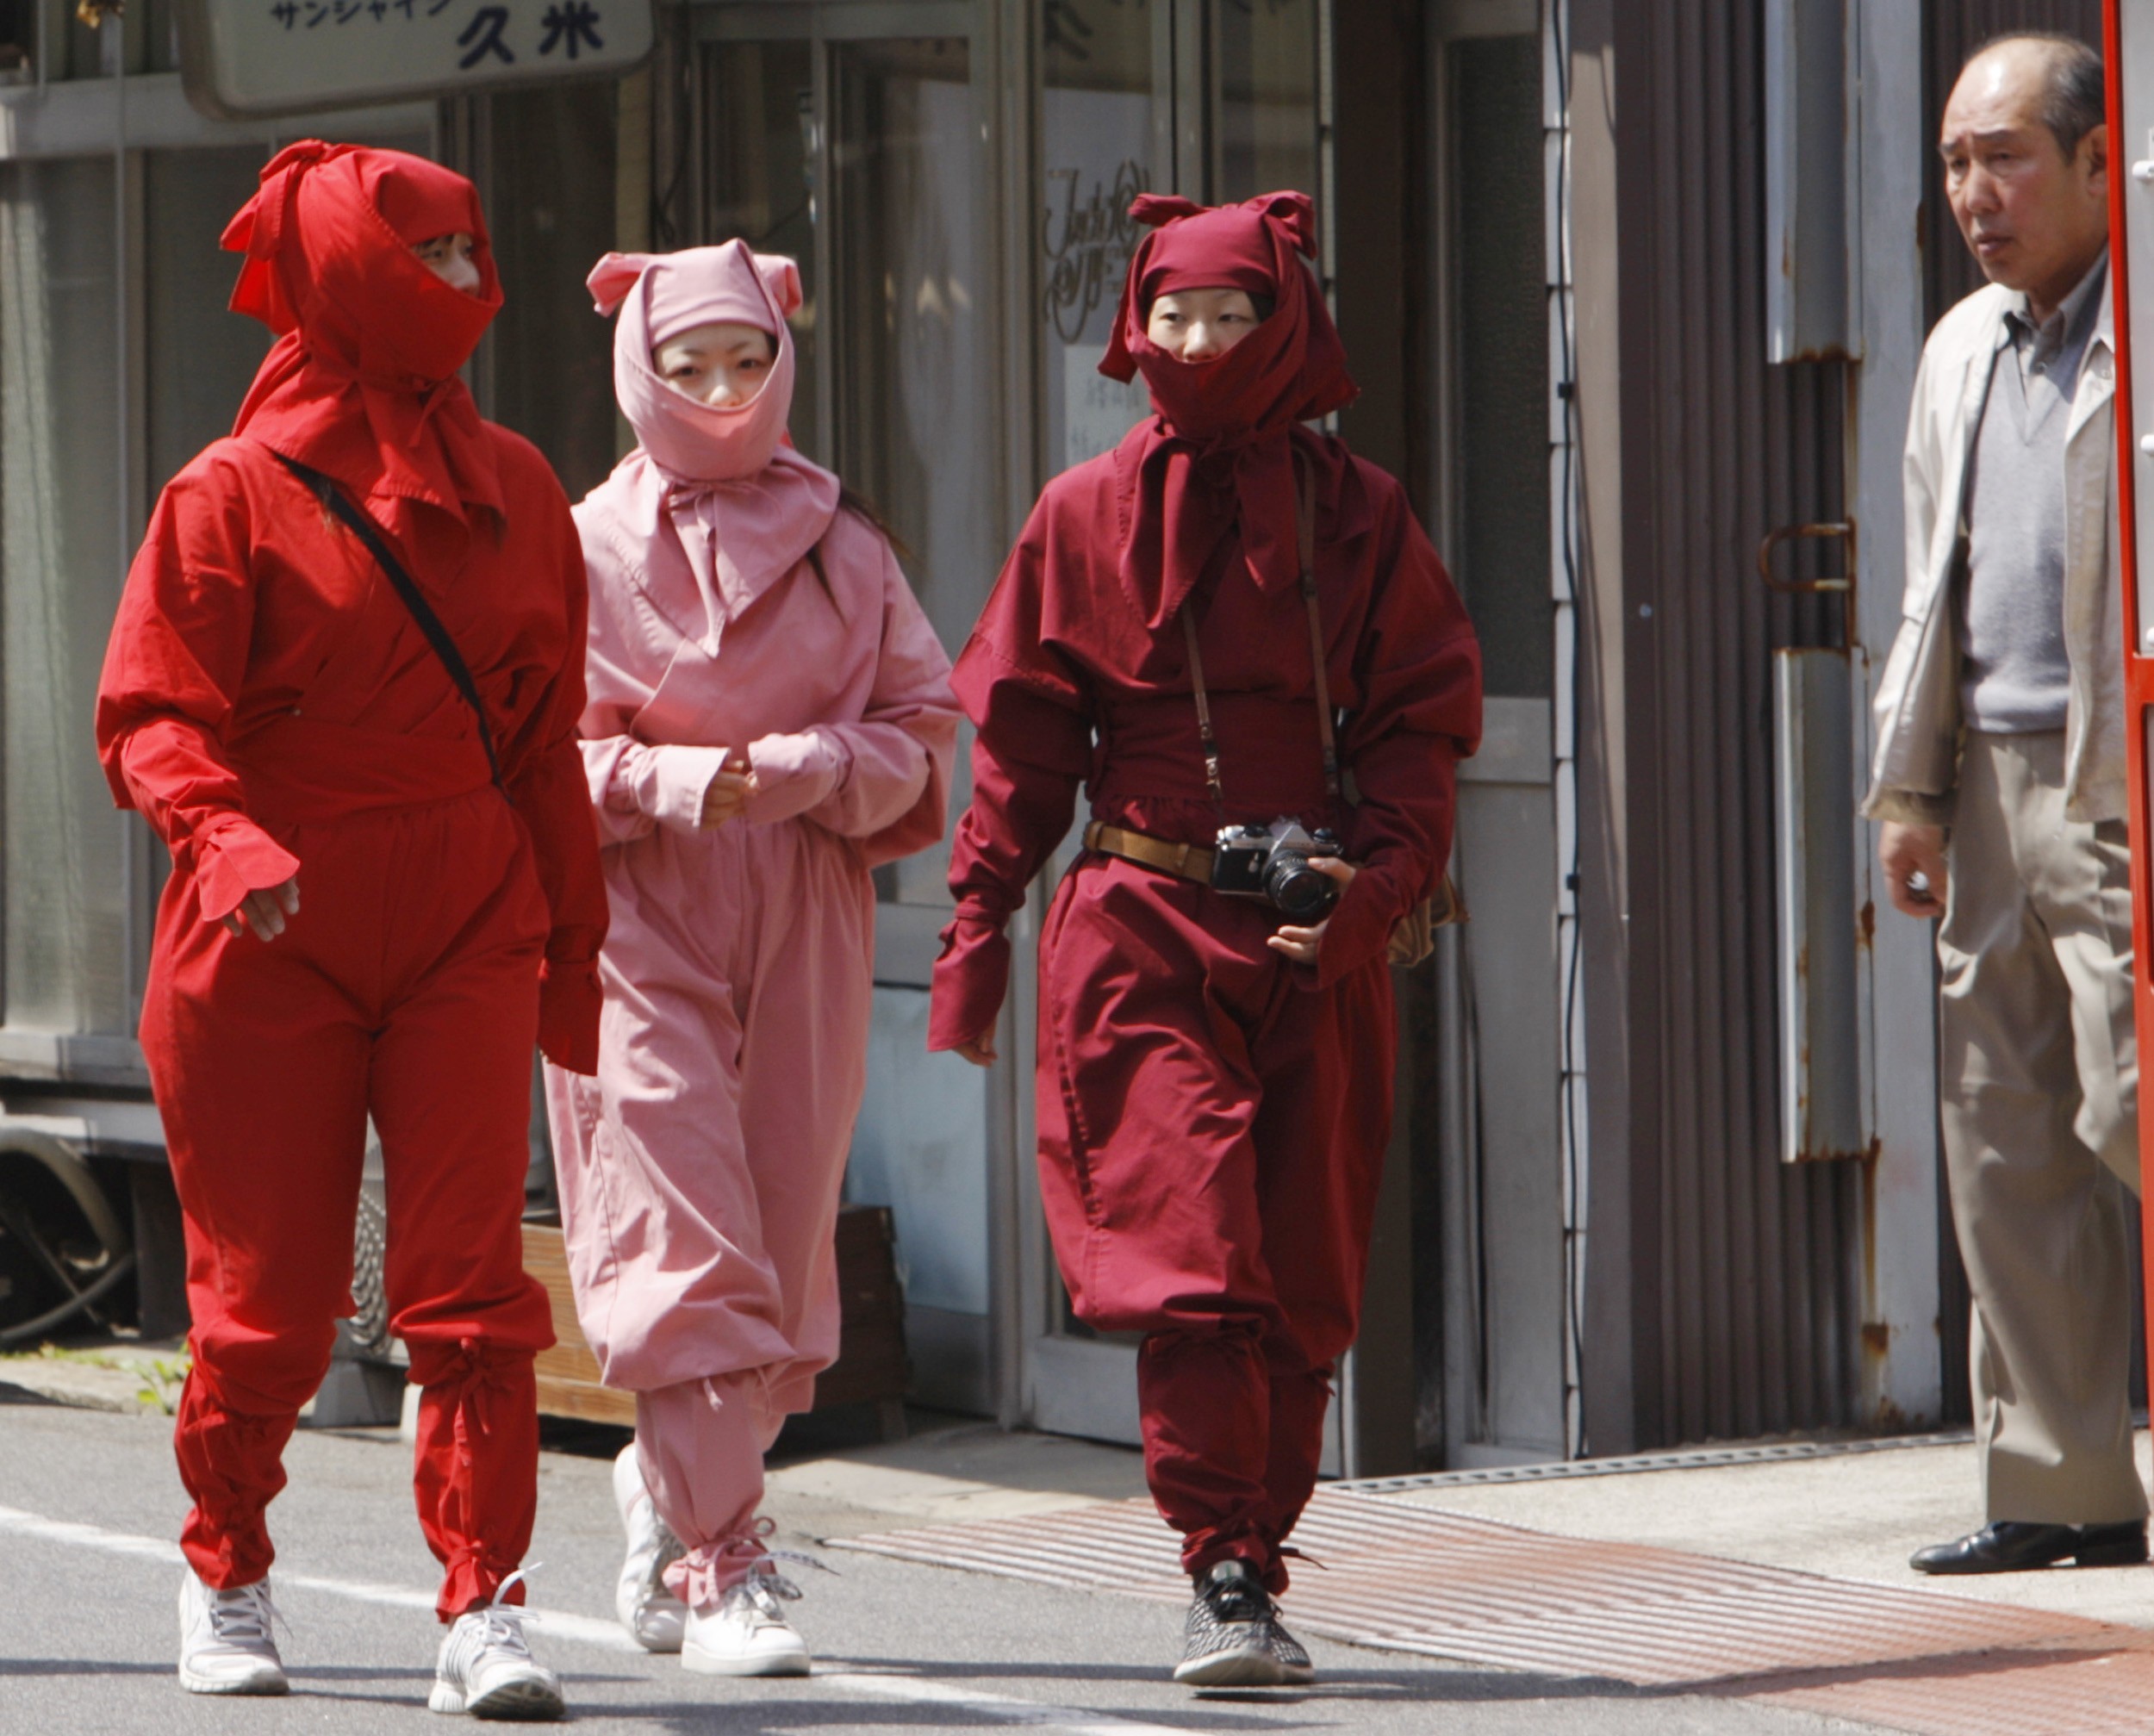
x=2138, y=669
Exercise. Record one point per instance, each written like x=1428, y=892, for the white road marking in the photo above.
x=608, y=1636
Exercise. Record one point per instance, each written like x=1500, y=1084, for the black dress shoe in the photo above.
x=2006, y=1545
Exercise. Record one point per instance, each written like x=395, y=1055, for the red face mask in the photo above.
x=1242, y=406
x=362, y=382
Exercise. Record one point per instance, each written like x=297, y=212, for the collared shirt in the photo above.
x=2015, y=676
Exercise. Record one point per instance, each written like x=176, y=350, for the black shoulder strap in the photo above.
x=333, y=498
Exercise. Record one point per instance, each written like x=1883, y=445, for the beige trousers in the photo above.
x=2039, y=1077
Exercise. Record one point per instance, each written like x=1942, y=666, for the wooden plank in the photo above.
x=586, y=1400
x=872, y=1367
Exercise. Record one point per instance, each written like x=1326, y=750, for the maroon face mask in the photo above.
x=1220, y=453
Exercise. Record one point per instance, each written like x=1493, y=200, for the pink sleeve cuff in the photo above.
x=671, y=782
x=971, y=978
x=233, y=856
x=792, y=773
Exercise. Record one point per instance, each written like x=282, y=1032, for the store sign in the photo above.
x=285, y=57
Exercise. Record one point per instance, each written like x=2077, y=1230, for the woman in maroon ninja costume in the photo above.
x=1214, y=1082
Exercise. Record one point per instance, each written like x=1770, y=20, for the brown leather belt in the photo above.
x=1191, y=861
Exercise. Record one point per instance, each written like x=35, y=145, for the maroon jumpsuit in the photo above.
x=270, y=706
x=1213, y=1117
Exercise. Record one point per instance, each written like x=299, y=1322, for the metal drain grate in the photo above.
x=1409, y=1578
x=1687, y=1458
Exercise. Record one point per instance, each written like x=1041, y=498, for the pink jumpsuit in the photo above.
x=700, y=1169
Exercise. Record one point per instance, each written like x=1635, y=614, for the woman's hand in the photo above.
x=980, y=1051
x=1302, y=944
x=264, y=911
x=726, y=794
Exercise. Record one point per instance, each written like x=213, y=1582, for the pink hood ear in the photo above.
x=782, y=281
x=613, y=277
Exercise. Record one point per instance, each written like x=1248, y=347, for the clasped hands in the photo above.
x=726, y=797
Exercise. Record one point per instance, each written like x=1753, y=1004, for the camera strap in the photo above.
x=1211, y=742
x=1306, y=538
x=1305, y=535
x=334, y=500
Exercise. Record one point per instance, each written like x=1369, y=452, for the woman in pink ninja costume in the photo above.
x=769, y=717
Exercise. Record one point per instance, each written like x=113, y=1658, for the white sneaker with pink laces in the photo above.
x=746, y=1633
x=653, y=1615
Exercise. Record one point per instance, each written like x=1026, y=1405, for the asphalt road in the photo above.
x=89, y=1504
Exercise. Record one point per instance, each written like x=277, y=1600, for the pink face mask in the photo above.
x=661, y=294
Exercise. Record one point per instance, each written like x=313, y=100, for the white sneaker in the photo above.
x=652, y=1614
x=747, y=1634
x=485, y=1669
x=225, y=1643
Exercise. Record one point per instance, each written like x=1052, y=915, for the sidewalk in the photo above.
x=1780, y=1582
x=1855, y=1516
x=1775, y=1588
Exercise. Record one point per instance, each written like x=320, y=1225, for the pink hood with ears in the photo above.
x=719, y=497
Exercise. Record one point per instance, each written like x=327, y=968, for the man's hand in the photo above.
x=1302, y=944
x=266, y=911
x=727, y=794
x=1905, y=851
x=980, y=1051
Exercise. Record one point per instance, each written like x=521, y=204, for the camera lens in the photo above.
x=1297, y=889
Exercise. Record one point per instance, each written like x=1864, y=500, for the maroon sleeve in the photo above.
x=1032, y=748
x=543, y=767
x=1419, y=669
x=174, y=668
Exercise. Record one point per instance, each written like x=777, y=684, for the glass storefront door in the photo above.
x=962, y=237
x=1216, y=100
x=1499, y=1284
x=850, y=138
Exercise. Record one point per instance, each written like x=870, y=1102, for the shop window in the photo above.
x=1100, y=148
x=200, y=357
x=63, y=527
x=549, y=210
x=761, y=132
x=910, y=386
x=1264, y=128
x=18, y=41
x=909, y=366
x=1500, y=358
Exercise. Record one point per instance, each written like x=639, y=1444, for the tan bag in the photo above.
x=1415, y=937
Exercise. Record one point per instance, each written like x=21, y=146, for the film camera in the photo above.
x=1271, y=862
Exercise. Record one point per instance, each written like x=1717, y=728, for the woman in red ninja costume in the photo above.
x=385, y=887
x=1215, y=1048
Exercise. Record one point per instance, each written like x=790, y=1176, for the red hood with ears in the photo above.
x=363, y=382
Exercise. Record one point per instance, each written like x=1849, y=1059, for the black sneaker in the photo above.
x=1233, y=1639
x=1290, y=1655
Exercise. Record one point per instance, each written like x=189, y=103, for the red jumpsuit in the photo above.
x=1213, y=1117
x=271, y=706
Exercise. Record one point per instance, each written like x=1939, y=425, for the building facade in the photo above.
x=1618, y=321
